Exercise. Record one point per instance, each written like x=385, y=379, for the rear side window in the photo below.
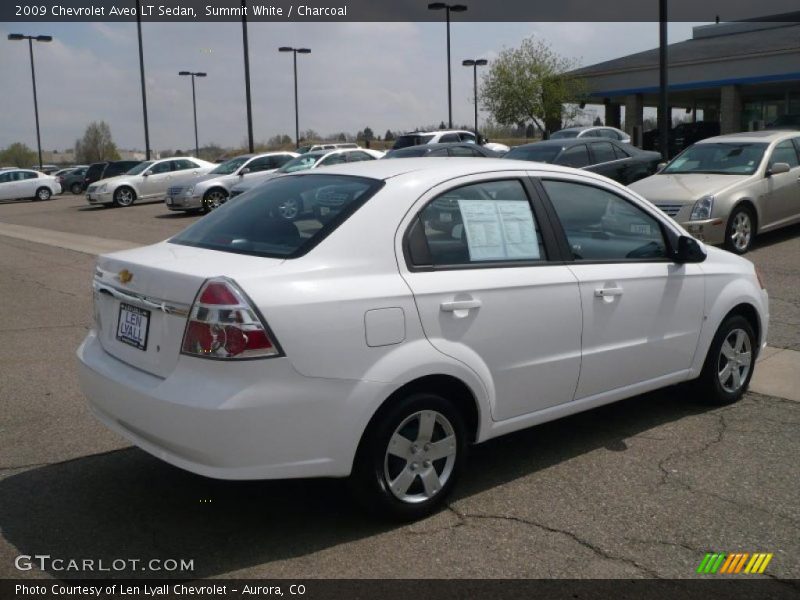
x=620, y=152
x=256, y=222
x=574, y=156
x=603, y=152
x=600, y=225
x=486, y=222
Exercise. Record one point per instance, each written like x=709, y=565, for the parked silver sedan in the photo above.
x=727, y=189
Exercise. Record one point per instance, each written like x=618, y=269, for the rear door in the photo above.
x=605, y=161
x=642, y=312
x=491, y=293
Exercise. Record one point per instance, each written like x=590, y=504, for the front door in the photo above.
x=157, y=180
x=642, y=312
x=488, y=294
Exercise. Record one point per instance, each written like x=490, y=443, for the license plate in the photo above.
x=445, y=217
x=169, y=200
x=133, y=326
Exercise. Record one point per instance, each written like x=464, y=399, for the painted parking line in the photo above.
x=87, y=244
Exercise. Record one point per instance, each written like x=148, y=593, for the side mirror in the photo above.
x=244, y=171
x=778, y=168
x=689, y=251
x=660, y=167
x=146, y=174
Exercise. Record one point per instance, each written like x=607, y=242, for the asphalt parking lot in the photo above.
x=641, y=488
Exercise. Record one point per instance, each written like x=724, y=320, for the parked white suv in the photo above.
x=27, y=183
x=371, y=345
x=209, y=191
x=149, y=180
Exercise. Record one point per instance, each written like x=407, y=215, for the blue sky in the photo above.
x=382, y=75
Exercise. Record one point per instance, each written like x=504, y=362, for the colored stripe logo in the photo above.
x=734, y=563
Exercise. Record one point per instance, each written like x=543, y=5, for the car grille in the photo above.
x=174, y=191
x=670, y=209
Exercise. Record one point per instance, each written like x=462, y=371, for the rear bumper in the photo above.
x=249, y=420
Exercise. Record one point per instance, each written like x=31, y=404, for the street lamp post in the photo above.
x=141, y=77
x=15, y=37
x=448, y=8
x=475, y=63
x=295, y=52
x=194, y=107
x=246, y=47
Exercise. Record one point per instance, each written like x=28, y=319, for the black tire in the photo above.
x=740, y=230
x=709, y=387
x=76, y=188
x=43, y=193
x=214, y=198
x=374, y=468
x=124, y=196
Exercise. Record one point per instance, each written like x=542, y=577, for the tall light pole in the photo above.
x=15, y=37
x=448, y=8
x=663, y=101
x=246, y=47
x=194, y=106
x=475, y=63
x=295, y=52
x=141, y=76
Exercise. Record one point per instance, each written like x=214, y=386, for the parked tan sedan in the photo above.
x=724, y=190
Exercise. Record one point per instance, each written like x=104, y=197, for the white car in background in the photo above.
x=209, y=191
x=27, y=183
x=294, y=208
x=595, y=131
x=448, y=136
x=149, y=180
x=373, y=346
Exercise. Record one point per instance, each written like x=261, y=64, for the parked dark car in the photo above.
x=786, y=123
x=104, y=170
x=72, y=180
x=681, y=136
x=458, y=149
x=618, y=161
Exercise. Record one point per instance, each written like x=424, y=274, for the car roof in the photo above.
x=441, y=167
x=767, y=136
x=437, y=132
x=565, y=142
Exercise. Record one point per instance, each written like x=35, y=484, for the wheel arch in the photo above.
x=752, y=206
x=216, y=187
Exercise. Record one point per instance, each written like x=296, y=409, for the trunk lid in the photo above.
x=142, y=298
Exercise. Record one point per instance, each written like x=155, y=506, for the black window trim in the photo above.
x=553, y=252
x=668, y=233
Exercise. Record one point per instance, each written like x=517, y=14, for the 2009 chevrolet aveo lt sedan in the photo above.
x=373, y=345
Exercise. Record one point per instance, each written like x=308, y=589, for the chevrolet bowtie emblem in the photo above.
x=125, y=276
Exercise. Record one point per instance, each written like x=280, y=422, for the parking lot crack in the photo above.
x=565, y=532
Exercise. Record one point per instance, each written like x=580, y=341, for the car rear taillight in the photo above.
x=224, y=324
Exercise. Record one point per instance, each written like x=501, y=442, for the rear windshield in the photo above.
x=281, y=218
x=536, y=152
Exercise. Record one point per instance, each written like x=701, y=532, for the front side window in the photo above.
x=476, y=224
x=784, y=153
x=256, y=223
x=183, y=164
x=599, y=225
x=468, y=137
x=449, y=138
x=160, y=168
x=333, y=159
x=263, y=163
x=574, y=156
x=138, y=168
x=229, y=166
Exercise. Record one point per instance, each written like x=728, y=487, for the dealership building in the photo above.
x=742, y=74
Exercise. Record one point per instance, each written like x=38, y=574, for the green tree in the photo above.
x=368, y=134
x=389, y=137
x=96, y=144
x=597, y=122
x=531, y=84
x=18, y=155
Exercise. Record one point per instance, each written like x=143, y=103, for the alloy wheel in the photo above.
x=124, y=197
x=741, y=231
x=214, y=199
x=43, y=194
x=734, y=361
x=420, y=456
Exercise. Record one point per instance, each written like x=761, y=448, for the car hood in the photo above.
x=688, y=187
x=114, y=181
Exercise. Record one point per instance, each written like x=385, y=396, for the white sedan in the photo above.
x=27, y=183
x=149, y=180
x=375, y=346
x=208, y=192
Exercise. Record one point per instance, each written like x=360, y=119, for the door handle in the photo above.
x=606, y=292
x=455, y=305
